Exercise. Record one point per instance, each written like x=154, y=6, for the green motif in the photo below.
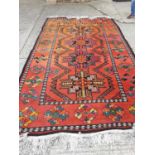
x=38, y=59
x=33, y=81
x=29, y=96
x=113, y=112
x=56, y=115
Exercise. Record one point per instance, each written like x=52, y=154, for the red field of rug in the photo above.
x=79, y=77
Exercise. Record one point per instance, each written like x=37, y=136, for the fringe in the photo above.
x=93, y=17
x=112, y=142
x=79, y=17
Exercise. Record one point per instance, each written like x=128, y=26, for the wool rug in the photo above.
x=79, y=77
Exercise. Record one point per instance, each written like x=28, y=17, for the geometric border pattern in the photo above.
x=78, y=127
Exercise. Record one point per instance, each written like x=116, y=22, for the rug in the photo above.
x=79, y=77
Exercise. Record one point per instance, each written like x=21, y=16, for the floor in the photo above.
x=34, y=12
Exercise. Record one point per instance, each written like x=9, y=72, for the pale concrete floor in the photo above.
x=34, y=12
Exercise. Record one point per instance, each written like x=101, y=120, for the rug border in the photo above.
x=42, y=133
x=30, y=54
x=119, y=29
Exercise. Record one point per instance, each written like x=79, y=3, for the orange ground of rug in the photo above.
x=78, y=77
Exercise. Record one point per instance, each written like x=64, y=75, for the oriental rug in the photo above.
x=79, y=77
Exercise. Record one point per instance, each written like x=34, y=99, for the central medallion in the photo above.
x=83, y=84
